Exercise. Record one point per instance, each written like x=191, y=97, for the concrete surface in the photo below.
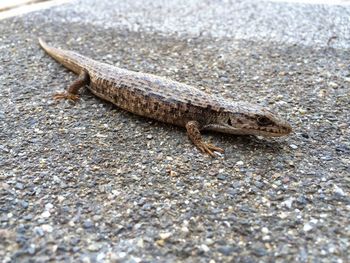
x=88, y=182
x=285, y=23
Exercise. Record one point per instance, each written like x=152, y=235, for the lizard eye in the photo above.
x=229, y=122
x=263, y=121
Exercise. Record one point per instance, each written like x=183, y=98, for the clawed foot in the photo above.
x=209, y=148
x=66, y=96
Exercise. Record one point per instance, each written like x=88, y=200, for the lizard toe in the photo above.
x=66, y=96
x=215, y=148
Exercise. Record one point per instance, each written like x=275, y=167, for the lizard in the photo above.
x=167, y=101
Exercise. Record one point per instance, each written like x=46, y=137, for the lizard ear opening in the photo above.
x=229, y=122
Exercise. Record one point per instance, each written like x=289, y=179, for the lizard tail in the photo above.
x=67, y=58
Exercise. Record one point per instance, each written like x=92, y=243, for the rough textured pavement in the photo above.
x=89, y=182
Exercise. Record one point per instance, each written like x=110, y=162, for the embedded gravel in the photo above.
x=88, y=182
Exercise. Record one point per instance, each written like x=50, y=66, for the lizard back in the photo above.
x=141, y=93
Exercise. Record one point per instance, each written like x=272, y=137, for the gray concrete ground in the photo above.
x=89, y=182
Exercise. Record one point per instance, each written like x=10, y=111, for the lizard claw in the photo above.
x=66, y=96
x=215, y=148
x=209, y=148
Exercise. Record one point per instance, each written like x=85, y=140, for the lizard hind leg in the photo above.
x=195, y=136
x=73, y=90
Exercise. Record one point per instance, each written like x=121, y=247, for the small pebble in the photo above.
x=204, y=247
x=173, y=173
x=46, y=214
x=226, y=250
x=288, y=203
x=265, y=230
x=293, y=146
x=88, y=224
x=47, y=228
x=307, y=227
x=338, y=190
x=343, y=125
x=302, y=111
x=165, y=235
x=39, y=231
x=48, y=206
x=93, y=247
x=239, y=163
x=19, y=186
x=333, y=85
x=221, y=177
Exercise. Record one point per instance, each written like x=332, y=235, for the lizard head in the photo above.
x=248, y=119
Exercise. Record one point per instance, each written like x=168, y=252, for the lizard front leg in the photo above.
x=73, y=90
x=193, y=132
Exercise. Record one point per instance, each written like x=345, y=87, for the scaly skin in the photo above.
x=167, y=101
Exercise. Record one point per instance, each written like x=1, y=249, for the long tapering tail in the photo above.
x=69, y=59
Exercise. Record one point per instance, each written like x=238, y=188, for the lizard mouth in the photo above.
x=252, y=130
x=269, y=131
